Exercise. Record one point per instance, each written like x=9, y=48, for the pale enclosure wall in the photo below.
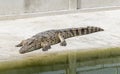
x=11, y=7
x=46, y=5
x=98, y=3
x=8, y=7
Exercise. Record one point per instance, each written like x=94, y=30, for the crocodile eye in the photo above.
x=29, y=41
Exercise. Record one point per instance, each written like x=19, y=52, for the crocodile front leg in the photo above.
x=45, y=46
x=62, y=40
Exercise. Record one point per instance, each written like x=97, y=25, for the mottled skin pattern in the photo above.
x=45, y=39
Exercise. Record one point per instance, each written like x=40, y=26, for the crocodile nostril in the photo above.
x=21, y=51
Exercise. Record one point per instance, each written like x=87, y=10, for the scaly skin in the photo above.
x=45, y=39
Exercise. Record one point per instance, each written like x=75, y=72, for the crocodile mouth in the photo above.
x=26, y=50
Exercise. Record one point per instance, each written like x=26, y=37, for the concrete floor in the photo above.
x=13, y=31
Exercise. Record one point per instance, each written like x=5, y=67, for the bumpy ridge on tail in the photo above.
x=71, y=32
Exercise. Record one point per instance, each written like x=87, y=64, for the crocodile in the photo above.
x=47, y=38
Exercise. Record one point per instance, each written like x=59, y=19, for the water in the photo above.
x=98, y=69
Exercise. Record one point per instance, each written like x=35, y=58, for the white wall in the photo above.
x=97, y=3
x=8, y=7
x=11, y=6
x=45, y=5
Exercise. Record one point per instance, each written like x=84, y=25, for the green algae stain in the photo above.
x=55, y=61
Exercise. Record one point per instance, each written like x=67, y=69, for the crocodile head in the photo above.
x=27, y=46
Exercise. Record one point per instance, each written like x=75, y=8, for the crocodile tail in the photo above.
x=71, y=32
x=88, y=30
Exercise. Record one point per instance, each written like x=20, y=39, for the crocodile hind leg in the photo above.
x=45, y=46
x=63, y=42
